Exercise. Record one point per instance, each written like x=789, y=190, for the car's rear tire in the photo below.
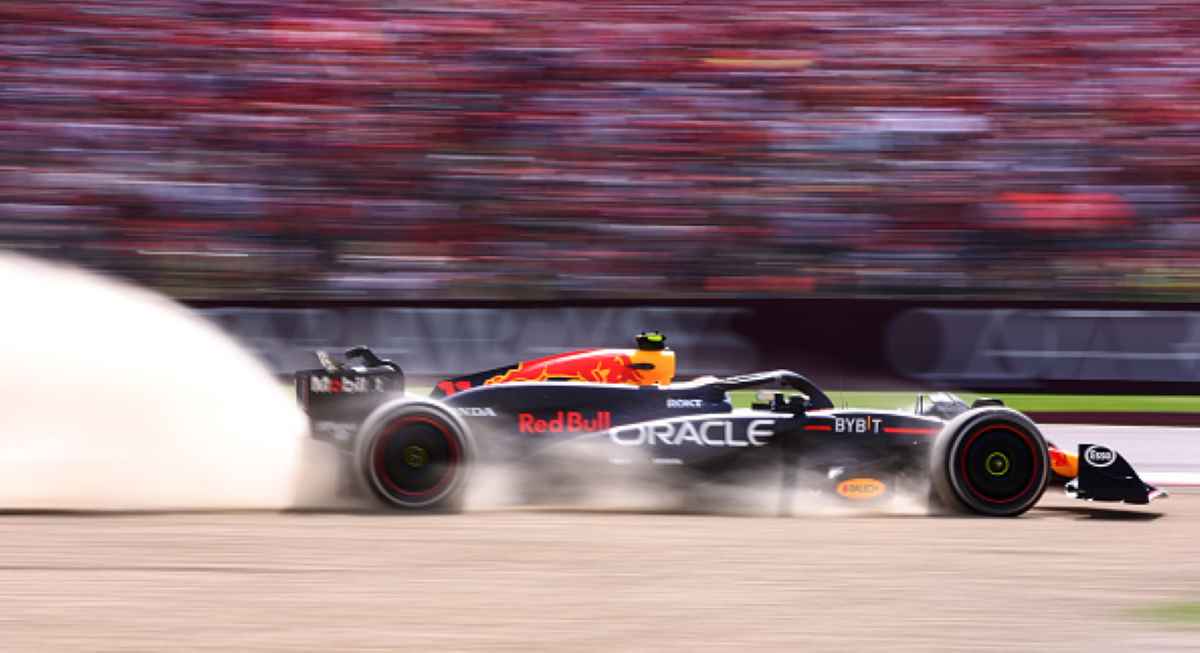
x=414, y=455
x=990, y=461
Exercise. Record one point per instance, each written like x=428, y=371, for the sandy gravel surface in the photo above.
x=1063, y=576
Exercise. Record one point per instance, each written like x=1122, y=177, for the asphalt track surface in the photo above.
x=1066, y=576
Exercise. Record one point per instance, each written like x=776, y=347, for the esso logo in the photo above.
x=1098, y=456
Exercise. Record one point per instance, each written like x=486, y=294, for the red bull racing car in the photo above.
x=415, y=453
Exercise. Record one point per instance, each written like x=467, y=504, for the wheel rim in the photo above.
x=415, y=458
x=999, y=464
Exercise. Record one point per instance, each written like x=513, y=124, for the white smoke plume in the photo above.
x=115, y=398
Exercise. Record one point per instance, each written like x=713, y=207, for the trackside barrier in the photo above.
x=841, y=343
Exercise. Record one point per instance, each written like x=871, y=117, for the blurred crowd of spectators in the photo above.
x=563, y=149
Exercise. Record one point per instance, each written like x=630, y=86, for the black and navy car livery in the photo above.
x=418, y=453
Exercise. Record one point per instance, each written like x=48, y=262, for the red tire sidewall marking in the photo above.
x=966, y=447
x=381, y=472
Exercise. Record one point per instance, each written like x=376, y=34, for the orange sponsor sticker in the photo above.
x=861, y=489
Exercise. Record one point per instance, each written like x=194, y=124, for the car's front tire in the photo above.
x=990, y=461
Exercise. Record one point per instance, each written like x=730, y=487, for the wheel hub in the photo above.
x=415, y=456
x=997, y=463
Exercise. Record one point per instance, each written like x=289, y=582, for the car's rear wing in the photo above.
x=343, y=392
x=1105, y=476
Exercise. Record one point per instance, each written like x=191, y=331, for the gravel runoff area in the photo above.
x=1066, y=575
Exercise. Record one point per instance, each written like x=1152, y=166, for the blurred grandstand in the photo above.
x=492, y=149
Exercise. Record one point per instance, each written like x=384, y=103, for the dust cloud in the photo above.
x=115, y=398
x=579, y=475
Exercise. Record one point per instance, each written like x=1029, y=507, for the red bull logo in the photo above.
x=564, y=421
x=590, y=365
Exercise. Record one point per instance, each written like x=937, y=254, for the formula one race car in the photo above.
x=418, y=453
